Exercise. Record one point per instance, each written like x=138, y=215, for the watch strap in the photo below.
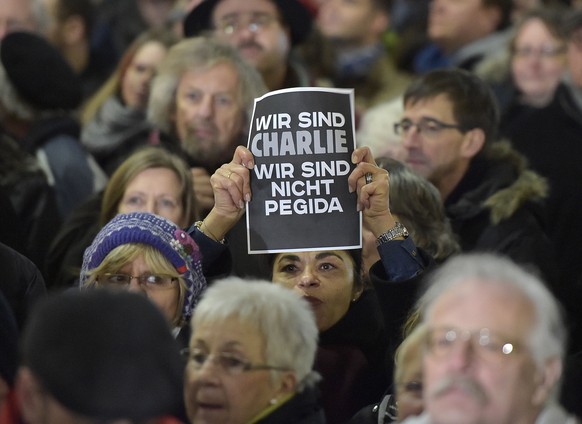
x=398, y=230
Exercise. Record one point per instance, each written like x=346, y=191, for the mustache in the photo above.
x=466, y=384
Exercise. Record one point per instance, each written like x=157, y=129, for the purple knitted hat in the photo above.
x=146, y=228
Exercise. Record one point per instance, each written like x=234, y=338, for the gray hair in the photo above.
x=418, y=205
x=194, y=54
x=548, y=336
x=283, y=319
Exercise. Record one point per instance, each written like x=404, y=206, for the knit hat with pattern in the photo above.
x=162, y=234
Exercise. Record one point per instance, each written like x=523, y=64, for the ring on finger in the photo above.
x=368, y=177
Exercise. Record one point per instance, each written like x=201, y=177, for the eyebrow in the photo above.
x=324, y=255
x=227, y=345
x=319, y=256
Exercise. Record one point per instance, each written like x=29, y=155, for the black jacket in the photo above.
x=551, y=141
x=499, y=206
x=303, y=408
x=351, y=359
x=33, y=201
x=21, y=283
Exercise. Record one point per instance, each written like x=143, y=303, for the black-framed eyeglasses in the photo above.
x=147, y=281
x=230, y=363
x=429, y=127
x=487, y=345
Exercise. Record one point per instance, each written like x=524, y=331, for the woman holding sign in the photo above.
x=354, y=342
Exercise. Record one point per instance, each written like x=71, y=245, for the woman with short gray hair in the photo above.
x=251, y=356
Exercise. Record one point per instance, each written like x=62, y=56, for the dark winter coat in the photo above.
x=21, y=283
x=34, y=217
x=70, y=169
x=351, y=359
x=498, y=206
x=551, y=141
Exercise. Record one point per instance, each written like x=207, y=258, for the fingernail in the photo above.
x=247, y=197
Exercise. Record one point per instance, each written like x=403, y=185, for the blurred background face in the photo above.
x=455, y=23
x=325, y=279
x=254, y=28
x=347, y=20
x=15, y=15
x=538, y=61
x=135, y=85
x=209, y=113
x=155, y=190
x=212, y=393
x=155, y=12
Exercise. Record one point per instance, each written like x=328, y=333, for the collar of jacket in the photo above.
x=498, y=180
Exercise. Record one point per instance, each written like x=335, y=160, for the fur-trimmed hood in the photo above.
x=499, y=180
x=529, y=186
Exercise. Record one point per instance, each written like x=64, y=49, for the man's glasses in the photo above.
x=228, y=362
x=429, y=127
x=256, y=24
x=147, y=281
x=486, y=345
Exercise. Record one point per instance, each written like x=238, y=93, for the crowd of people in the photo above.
x=129, y=294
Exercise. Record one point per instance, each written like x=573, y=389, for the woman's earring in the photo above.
x=273, y=401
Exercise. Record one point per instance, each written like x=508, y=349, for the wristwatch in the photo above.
x=398, y=230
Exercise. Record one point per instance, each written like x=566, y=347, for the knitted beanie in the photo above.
x=162, y=234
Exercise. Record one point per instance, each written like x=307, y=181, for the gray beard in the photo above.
x=211, y=156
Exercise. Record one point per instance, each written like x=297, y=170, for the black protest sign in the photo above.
x=302, y=140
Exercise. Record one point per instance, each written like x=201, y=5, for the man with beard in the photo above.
x=493, y=200
x=202, y=98
x=263, y=31
x=494, y=346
